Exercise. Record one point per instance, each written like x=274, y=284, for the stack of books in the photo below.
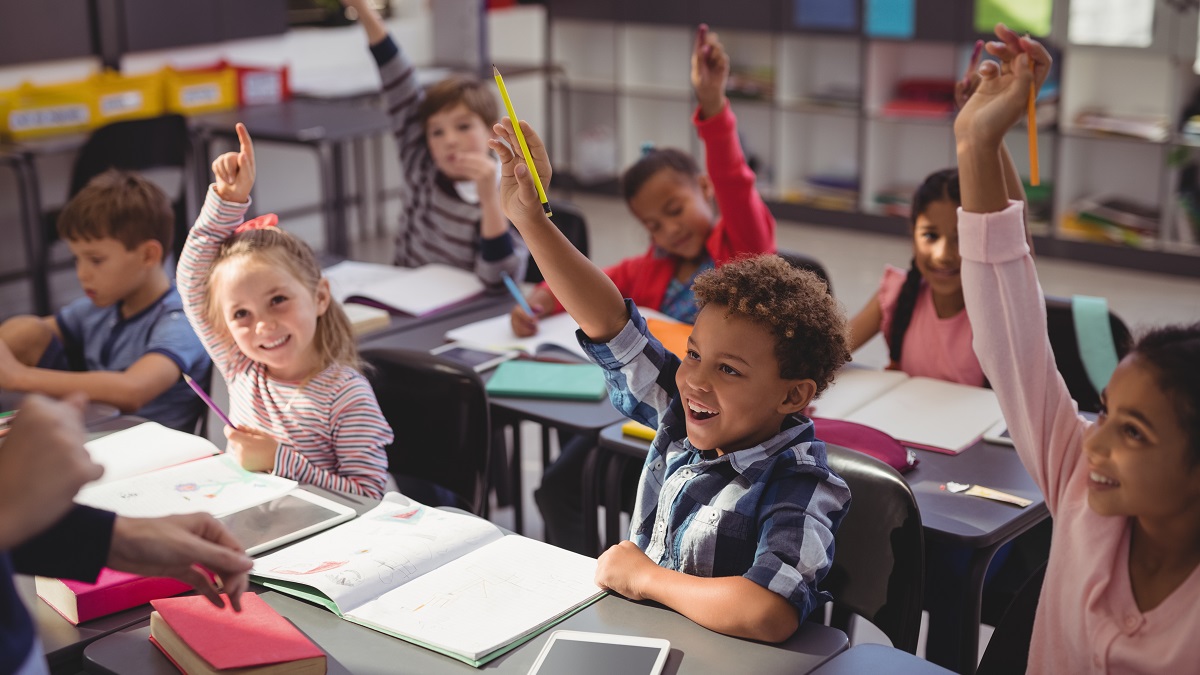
x=1155, y=128
x=1109, y=219
x=929, y=98
x=896, y=200
x=825, y=191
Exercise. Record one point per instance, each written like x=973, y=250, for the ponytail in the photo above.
x=904, y=311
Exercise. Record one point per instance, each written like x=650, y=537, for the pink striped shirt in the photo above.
x=1087, y=619
x=331, y=431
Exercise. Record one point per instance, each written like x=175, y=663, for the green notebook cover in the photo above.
x=538, y=379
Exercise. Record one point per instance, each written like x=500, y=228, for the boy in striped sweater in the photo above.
x=450, y=211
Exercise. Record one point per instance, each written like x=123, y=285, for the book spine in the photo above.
x=100, y=602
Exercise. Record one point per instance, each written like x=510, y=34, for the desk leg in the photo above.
x=379, y=186
x=514, y=480
x=614, y=476
x=364, y=186
x=35, y=240
x=329, y=156
x=590, y=502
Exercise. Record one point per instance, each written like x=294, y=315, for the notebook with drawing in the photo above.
x=920, y=412
x=416, y=291
x=449, y=582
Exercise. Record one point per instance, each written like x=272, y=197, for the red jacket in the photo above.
x=745, y=225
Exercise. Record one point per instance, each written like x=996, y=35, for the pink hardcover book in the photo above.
x=113, y=591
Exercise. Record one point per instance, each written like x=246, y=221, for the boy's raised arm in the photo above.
x=588, y=295
x=370, y=20
x=710, y=72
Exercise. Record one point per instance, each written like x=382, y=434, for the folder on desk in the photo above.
x=538, y=379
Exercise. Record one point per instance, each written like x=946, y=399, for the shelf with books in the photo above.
x=846, y=118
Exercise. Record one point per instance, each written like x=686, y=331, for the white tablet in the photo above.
x=481, y=360
x=284, y=519
x=998, y=433
x=570, y=652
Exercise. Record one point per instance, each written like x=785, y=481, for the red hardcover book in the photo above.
x=200, y=638
x=113, y=591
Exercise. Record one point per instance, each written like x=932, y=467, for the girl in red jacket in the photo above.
x=674, y=200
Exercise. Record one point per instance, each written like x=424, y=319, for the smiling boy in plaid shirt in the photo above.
x=736, y=507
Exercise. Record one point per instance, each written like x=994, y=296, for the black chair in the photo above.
x=1060, y=325
x=569, y=220
x=439, y=412
x=1008, y=650
x=134, y=145
x=878, y=567
x=804, y=262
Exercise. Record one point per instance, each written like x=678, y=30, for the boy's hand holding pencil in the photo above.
x=518, y=196
x=710, y=72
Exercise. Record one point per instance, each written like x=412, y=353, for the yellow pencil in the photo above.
x=1034, y=178
x=512, y=115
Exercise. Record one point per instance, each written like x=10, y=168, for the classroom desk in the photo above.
x=980, y=525
x=578, y=417
x=64, y=643
x=324, y=126
x=95, y=415
x=355, y=649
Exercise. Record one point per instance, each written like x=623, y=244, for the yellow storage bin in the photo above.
x=203, y=90
x=119, y=97
x=32, y=111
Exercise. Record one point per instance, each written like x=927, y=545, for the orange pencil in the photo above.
x=1034, y=178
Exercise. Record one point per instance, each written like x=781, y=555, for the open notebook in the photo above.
x=920, y=412
x=416, y=291
x=558, y=330
x=449, y=582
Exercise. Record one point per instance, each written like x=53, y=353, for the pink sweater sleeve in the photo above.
x=1008, y=318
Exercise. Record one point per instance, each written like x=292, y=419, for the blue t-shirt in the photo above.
x=97, y=338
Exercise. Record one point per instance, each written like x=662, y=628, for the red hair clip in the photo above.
x=260, y=223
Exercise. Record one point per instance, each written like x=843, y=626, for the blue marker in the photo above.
x=516, y=293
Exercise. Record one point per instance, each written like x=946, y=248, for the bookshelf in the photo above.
x=811, y=92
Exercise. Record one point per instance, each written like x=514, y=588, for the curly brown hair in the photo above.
x=810, y=330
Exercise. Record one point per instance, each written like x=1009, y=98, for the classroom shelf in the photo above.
x=822, y=79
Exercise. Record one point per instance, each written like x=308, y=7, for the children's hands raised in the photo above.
x=234, y=171
x=1002, y=93
x=710, y=71
x=518, y=196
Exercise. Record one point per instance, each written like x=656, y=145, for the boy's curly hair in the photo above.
x=810, y=330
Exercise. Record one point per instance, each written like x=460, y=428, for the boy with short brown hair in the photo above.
x=127, y=342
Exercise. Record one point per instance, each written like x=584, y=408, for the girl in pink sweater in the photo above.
x=1121, y=584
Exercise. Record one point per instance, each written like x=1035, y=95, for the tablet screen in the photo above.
x=576, y=657
x=279, y=521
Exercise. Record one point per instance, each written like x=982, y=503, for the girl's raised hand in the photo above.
x=1002, y=94
x=518, y=196
x=234, y=171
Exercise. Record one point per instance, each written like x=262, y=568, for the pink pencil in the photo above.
x=208, y=401
x=973, y=63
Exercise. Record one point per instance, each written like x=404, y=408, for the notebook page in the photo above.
x=425, y=289
x=146, y=447
x=391, y=544
x=216, y=485
x=931, y=413
x=487, y=598
x=496, y=333
x=852, y=388
x=350, y=277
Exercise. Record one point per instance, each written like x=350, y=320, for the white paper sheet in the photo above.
x=143, y=448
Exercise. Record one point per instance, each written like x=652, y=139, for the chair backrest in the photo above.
x=138, y=145
x=1060, y=325
x=439, y=412
x=569, y=220
x=1008, y=649
x=804, y=262
x=878, y=567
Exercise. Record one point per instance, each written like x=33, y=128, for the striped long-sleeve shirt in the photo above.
x=331, y=431
x=767, y=513
x=436, y=224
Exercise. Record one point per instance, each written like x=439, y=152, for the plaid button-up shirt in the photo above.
x=767, y=513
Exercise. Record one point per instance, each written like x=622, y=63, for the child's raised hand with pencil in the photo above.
x=1002, y=93
x=234, y=171
x=710, y=72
